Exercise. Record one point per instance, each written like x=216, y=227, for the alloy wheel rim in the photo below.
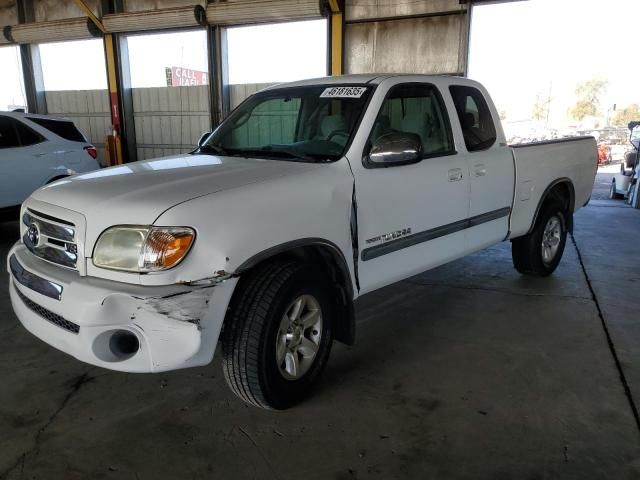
x=298, y=338
x=551, y=238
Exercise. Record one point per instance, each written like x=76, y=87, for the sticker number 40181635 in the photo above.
x=343, y=92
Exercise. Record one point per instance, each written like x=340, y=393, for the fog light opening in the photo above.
x=124, y=344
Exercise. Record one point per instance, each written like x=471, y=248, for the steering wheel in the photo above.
x=337, y=132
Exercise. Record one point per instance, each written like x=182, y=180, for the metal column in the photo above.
x=31, y=65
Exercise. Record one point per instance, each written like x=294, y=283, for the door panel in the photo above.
x=23, y=161
x=492, y=174
x=411, y=217
x=491, y=169
x=24, y=170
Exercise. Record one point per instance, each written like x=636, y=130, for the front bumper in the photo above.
x=176, y=326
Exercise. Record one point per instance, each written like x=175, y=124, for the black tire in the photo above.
x=613, y=194
x=527, y=251
x=252, y=327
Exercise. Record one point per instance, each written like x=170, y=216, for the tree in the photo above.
x=622, y=117
x=502, y=115
x=540, y=109
x=588, y=98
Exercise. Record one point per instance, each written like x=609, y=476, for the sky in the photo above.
x=518, y=50
x=559, y=44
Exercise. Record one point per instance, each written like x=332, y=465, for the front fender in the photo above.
x=235, y=225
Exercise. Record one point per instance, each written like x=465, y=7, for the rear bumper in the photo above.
x=176, y=326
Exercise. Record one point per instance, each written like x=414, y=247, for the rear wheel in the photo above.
x=278, y=336
x=539, y=252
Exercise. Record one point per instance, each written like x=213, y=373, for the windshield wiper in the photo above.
x=213, y=148
x=283, y=151
x=268, y=149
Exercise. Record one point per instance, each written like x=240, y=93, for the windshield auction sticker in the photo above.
x=343, y=92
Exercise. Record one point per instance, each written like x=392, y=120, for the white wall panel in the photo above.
x=428, y=45
x=367, y=10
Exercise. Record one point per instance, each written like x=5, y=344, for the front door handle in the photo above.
x=455, y=174
x=479, y=170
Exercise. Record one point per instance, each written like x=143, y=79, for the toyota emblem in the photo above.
x=33, y=234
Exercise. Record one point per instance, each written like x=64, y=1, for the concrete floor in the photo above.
x=469, y=371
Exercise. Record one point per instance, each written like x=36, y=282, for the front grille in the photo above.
x=52, y=239
x=49, y=315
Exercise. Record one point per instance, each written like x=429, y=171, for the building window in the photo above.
x=262, y=55
x=12, y=95
x=169, y=81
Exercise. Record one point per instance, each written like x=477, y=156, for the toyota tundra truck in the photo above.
x=307, y=196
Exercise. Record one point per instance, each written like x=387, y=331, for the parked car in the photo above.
x=36, y=150
x=617, y=152
x=308, y=195
x=624, y=184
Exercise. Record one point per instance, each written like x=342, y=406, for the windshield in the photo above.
x=312, y=124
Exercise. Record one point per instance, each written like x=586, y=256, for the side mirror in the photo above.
x=397, y=148
x=203, y=138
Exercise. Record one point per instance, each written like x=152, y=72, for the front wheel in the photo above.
x=278, y=336
x=539, y=252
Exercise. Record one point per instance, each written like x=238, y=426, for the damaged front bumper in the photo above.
x=167, y=327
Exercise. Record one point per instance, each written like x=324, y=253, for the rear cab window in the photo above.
x=62, y=128
x=477, y=125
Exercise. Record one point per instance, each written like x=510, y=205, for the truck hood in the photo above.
x=138, y=193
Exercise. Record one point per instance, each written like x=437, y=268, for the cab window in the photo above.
x=418, y=109
x=478, y=129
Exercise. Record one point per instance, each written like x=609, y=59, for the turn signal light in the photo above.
x=165, y=248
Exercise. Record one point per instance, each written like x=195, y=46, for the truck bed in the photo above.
x=539, y=165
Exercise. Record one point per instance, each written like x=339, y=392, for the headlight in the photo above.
x=141, y=248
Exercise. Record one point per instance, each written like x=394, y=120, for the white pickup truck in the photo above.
x=309, y=195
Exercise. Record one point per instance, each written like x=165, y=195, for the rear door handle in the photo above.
x=455, y=174
x=480, y=170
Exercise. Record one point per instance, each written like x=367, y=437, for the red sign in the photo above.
x=185, y=77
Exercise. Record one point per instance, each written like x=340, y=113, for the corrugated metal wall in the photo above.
x=8, y=14
x=169, y=120
x=89, y=110
x=238, y=92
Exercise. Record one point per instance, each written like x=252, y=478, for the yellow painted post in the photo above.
x=337, y=24
x=113, y=140
x=114, y=147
